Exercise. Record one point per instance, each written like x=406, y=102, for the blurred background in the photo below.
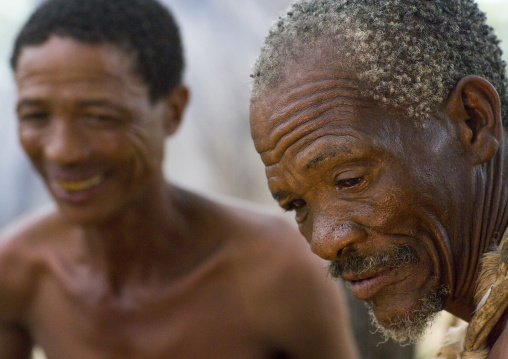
x=213, y=151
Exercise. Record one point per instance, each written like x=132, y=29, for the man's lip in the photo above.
x=367, y=286
x=80, y=185
x=349, y=276
x=76, y=190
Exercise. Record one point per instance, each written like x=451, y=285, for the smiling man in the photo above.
x=380, y=124
x=127, y=265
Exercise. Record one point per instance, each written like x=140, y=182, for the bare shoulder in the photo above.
x=259, y=237
x=285, y=289
x=277, y=267
x=22, y=247
x=236, y=219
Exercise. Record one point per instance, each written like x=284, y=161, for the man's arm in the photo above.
x=15, y=292
x=15, y=343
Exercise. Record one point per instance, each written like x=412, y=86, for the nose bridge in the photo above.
x=332, y=232
x=67, y=142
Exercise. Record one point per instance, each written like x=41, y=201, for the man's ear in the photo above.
x=175, y=104
x=475, y=107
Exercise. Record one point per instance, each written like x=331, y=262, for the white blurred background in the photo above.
x=213, y=151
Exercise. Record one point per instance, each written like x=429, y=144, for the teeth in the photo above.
x=80, y=185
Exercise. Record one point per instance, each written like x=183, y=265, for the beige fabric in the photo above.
x=470, y=341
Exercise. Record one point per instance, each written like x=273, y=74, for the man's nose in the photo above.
x=67, y=144
x=330, y=236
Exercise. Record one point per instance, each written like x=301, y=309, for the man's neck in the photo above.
x=489, y=221
x=135, y=245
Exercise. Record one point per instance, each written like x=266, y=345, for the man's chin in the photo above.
x=404, y=330
x=410, y=327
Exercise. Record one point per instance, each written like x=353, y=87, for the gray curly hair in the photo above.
x=410, y=53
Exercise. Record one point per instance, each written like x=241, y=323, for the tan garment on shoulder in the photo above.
x=470, y=340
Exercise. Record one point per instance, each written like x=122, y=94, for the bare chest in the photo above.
x=200, y=318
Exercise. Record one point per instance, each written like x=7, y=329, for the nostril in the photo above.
x=346, y=251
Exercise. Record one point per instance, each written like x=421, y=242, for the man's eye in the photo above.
x=348, y=183
x=33, y=116
x=100, y=117
x=295, y=205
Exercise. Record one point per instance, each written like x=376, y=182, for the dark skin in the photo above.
x=129, y=266
x=361, y=178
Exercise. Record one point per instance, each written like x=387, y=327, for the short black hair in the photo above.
x=143, y=28
x=410, y=53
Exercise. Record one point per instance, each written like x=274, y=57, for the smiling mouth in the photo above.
x=78, y=186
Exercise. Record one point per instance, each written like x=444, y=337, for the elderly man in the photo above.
x=380, y=123
x=127, y=265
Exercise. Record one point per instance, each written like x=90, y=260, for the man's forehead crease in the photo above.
x=82, y=99
x=294, y=140
x=295, y=151
x=324, y=116
x=299, y=89
x=58, y=75
x=302, y=104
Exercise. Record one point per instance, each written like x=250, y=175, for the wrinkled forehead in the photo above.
x=299, y=104
x=312, y=70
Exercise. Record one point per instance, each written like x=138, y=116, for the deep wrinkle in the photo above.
x=295, y=109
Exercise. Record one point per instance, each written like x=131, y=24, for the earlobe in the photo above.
x=176, y=102
x=475, y=107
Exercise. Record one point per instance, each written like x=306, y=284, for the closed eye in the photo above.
x=348, y=182
x=33, y=116
x=101, y=117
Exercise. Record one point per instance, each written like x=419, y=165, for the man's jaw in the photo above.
x=414, y=324
x=366, y=275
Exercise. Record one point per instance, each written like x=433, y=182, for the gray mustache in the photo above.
x=358, y=264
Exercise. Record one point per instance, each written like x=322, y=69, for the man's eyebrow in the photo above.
x=98, y=102
x=28, y=102
x=323, y=155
